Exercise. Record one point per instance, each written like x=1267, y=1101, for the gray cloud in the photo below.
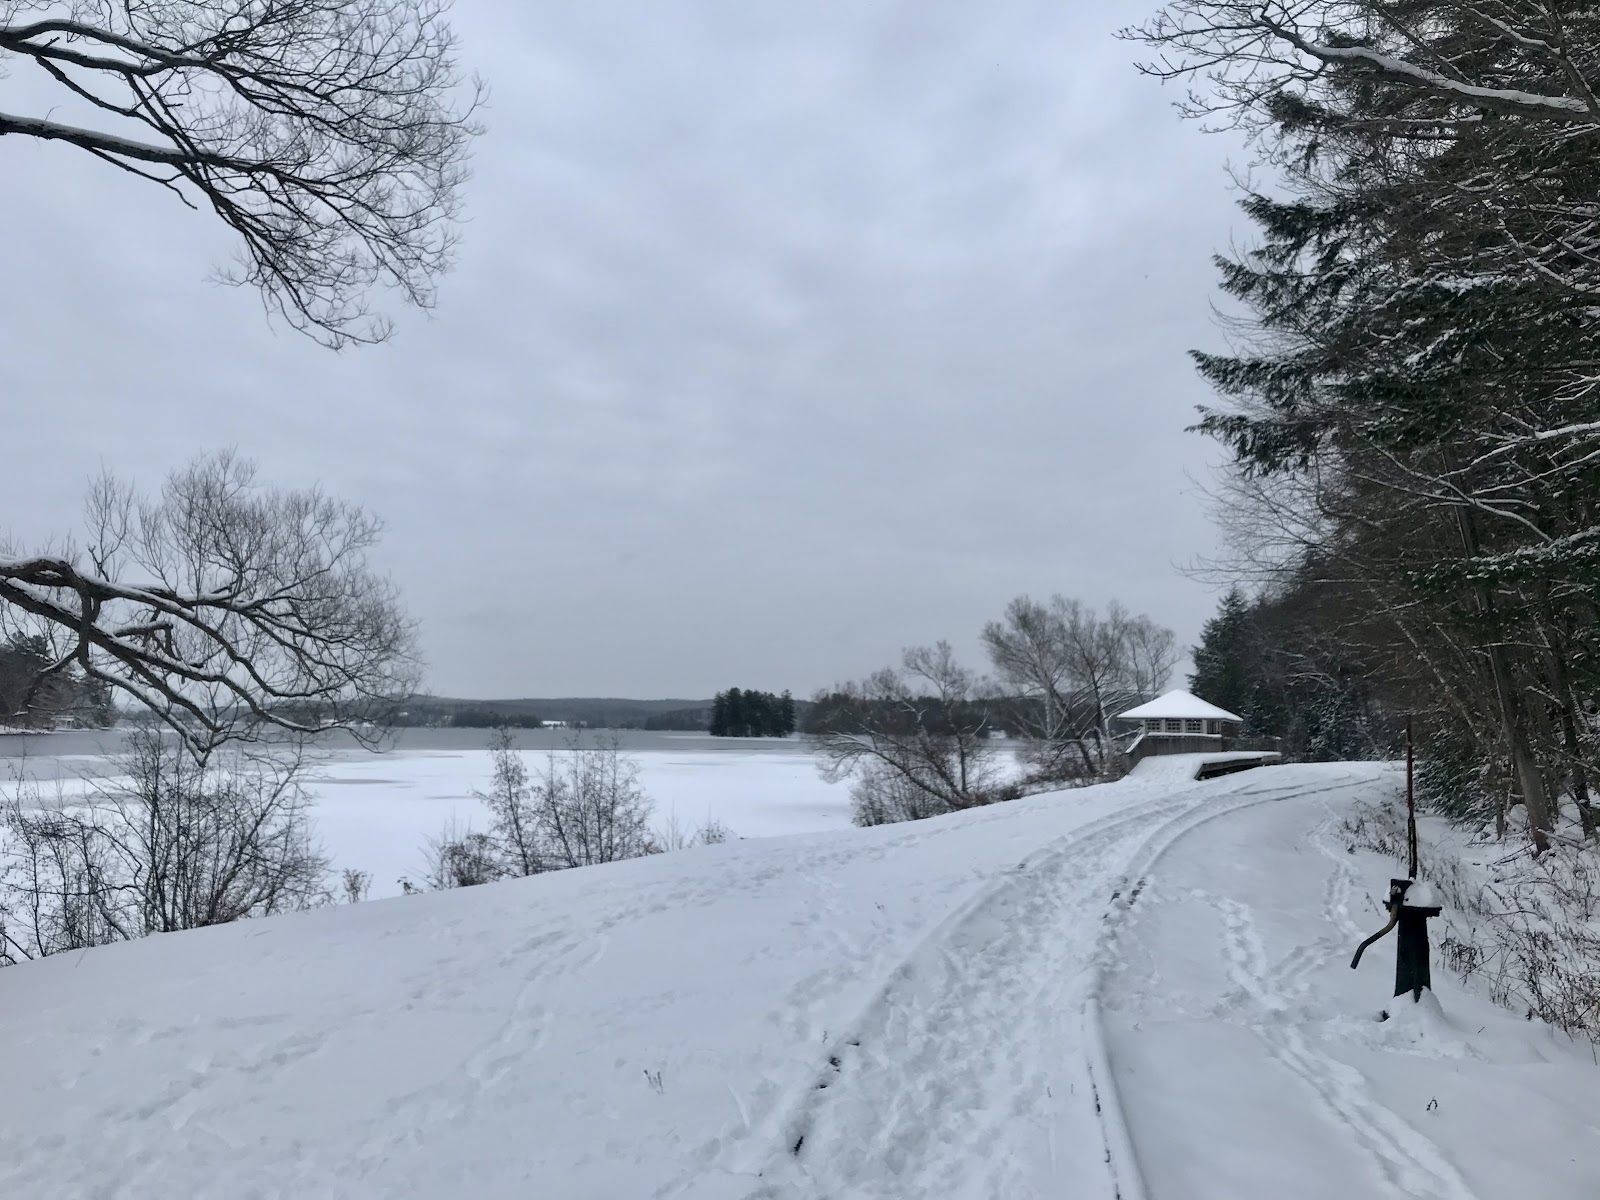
x=782, y=336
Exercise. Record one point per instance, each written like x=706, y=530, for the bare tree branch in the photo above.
x=250, y=609
x=330, y=135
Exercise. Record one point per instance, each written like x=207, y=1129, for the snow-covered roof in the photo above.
x=1179, y=705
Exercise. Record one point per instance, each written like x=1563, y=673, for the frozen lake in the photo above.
x=374, y=812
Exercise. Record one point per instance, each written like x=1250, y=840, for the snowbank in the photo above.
x=1527, y=931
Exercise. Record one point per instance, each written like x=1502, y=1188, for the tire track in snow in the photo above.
x=916, y=1014
x=935, y=1075
x=985, y=1033
x=1120, y=1156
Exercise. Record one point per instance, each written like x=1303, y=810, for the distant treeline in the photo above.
x=489, y=718
x=685, y=720
x=840, y=712
x=743, y=713
x=598, y=712
x=740, y=713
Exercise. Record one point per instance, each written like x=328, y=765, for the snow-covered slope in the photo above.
x=906, y=1011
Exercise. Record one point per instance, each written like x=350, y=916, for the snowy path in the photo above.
x=970, y=1073
x=1254, y=1062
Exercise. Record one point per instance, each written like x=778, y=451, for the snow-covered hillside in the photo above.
x=907, y=1011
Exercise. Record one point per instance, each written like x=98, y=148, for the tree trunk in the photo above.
x=1580, y=781
x=1561, y=677
x=1523, y=763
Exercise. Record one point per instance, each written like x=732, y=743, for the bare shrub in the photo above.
x=461, y=857
x=882, y=794
x=583, y=806
x=675, y=834
x=356, y=884
x=590, y=807
x=54, y=885
x=672, y=834
x=713, y=833
x=182, y=843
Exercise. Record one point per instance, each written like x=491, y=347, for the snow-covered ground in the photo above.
x=906, y=1011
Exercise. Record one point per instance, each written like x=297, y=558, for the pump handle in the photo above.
x=1394, y=919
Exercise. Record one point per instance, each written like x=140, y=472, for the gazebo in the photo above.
x=1181, y=714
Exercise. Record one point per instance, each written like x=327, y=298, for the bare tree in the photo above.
x=1027, y=649
x=1074, y=667
x=590, y=806
x=514, y=822
x=223, y=607
x=1255, y=52
x=1150, y=650
x=330, y=135
x=584, y=806
x=914, y=739
x=179, y=843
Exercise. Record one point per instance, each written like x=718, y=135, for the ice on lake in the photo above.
x=375, y=812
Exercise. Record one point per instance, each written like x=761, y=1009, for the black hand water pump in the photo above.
x=1410, y=905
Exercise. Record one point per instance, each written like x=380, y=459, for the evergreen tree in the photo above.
x=1418, y=385
x=1227, y=664
x=763, y=714
x=751, y=713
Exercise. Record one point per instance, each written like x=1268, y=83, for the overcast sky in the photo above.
x=783, y=335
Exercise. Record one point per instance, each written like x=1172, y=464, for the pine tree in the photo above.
x=751, y=713
x=1421, y=367
x=1227, y=662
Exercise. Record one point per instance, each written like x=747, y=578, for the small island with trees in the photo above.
x=738, y=713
